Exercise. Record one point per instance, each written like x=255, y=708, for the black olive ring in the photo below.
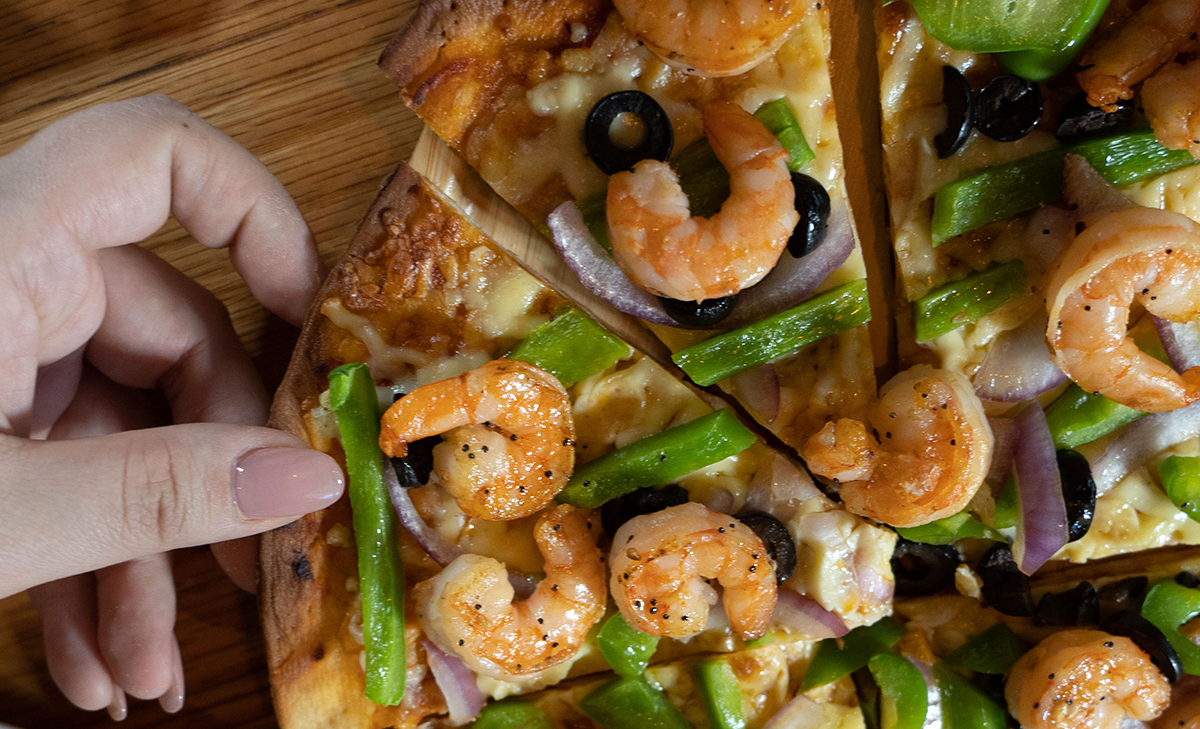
x=656, y=144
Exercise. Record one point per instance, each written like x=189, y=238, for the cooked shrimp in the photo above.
x=509, y=437
x=1153, y=36
x=1171, y=106
x=660, y=562
x=1185, y=706
x=1142, y=255
x=468, y=608
x=712, y=37
x=1085, y=678
x=662, y=248
x=934, y=454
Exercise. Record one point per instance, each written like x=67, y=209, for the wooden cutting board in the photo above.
x=295, y=82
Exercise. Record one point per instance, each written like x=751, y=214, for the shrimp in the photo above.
x=662, y=248
x=468, y=608
x=1142, y=255
x=935, y=451
x=1152, y=37
x=1085, y=678
x=509, y=437
x=1171, y=106
x=660, y=562
x=711, y=37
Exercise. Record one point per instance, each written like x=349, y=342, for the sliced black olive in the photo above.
x=413, y=469
x=1080, y=120
x=812, y=202
x=1079, y=492
x=657, y=139
x=646, y=500
x=1008, y=108
x=1077, y=606
x=1125, y=591
x=1005, y=586
x=1187, y=579
x=960, y=112
x=775, y=538
x=699, y=313
x=923, y=569
x=1149, y=638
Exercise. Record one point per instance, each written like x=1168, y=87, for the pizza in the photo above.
x=528, y=93
x=432, y=312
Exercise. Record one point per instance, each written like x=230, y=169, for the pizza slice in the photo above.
x=1039, y=219
x=538, y=466
x=554, y=102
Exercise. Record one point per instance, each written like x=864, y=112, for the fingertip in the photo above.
x=119, y=708
x=172, y=700
x=285, y=482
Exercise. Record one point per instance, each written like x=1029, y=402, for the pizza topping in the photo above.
x=837, y=658
x=469, y=609
x=512, y=713
x=572, y=347
x=699, y=314
x=1079, y=492
x=960, y=112
x=660, y=563
x=456, y=682
x=1169, y=99
x=1017, y=366
x=923, y=569
x=612, y=152
x=632, y=703
x=1080, y=120
x=814, y=207
x=1042, y=528
x=972, y=297
x=719, y=693
x=506, y=425
x=904, y=698
x=994, y=651
x=1008, y=108
x=1169, y=606
x=627, y=651
x=1078, y=606
x=647, y=500
x=775, y=538
x=1005, y=586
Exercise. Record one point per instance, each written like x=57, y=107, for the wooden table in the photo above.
x=295, y=82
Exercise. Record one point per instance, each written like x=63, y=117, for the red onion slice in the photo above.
x=1018, y=365
x=803, y=615
x=1042, y=529
x=1086, y=191
x=434, y=544
x=759, y=390
x=1181, y=340
x=1143, y=440
x=1004, y=444
x=463, y=697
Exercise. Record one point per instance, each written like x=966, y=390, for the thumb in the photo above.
x=75, y=506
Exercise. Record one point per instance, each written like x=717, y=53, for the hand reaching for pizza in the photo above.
x=91, y=495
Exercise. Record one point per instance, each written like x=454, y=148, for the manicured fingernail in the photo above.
x=277, y=482
x=172, y=700
x=118, y=709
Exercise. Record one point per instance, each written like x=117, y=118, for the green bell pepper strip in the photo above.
x=999, y=192
x=949, y=530
x=954, y=304
x=832, y=662
x=626, y=649
x=1169, y=605
x=993, y=26
x=511, y=714
x=380, y=572
x=965, y=705
x=1180, y=478
x=1077, y=417
x=572, y=347
x=993, y=651
x=703, y=179
x=783, y=334
x=1007, y=511
x=631, y=703
x=1039, y=64
x=720, y=693
x=904, y=697
x=657, y=459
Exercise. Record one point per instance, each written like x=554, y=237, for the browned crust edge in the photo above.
x=434, y=23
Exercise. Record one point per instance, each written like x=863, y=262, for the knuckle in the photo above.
x=154, y=496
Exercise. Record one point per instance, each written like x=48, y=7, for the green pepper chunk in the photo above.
x=511, y=714
x=783, y=334
x=993, y=651
x=1169, y=605
x=1077, y=417
x=949, y=530
x=904, y=698
x=954, y=304
x=657, y=459
x=1007, y=511
x=1180, y=478
x=993, y=26
x=720, y=693
x=1039, y=64
x=572, y=347
x=831, y=662
x=999, y=192
x=779, y=118
x=965, y=705
x=380, y=572
x=626, y=649
x=631, y=703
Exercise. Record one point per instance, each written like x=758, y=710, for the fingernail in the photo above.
x=118, y=709
x=172, y=700
x=277, y=482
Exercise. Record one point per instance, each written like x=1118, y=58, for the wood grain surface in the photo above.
x=295, y=82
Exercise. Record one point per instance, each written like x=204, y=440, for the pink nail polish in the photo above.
x=279, y=482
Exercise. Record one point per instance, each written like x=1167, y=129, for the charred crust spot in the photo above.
x=558, y=527
x=302, y=568
x=319, y=653
x=513, y=436
x=462, y=642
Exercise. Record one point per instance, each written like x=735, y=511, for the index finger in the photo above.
x=112, y=174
